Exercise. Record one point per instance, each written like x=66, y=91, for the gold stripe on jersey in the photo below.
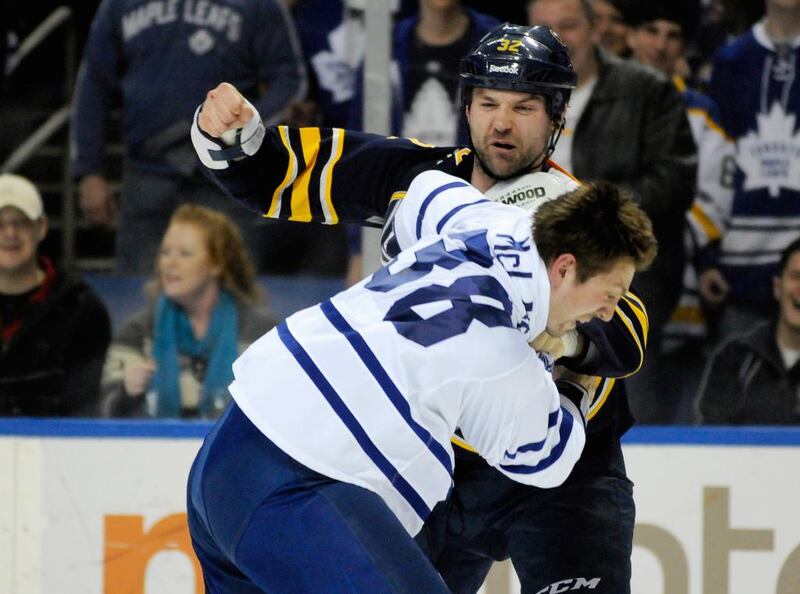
x=629, y=324
x=291, y=173
x=420, y=143
x=325, y=200
x=463, y=444
x=459, y=155
x=680, y=84
x=301, y=206
x=600, y=396
x=709, y=228
x=640, y=312
x=712, y=125
x=690, y=314
x=397, y=196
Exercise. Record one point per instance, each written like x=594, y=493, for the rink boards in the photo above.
x=91, y=507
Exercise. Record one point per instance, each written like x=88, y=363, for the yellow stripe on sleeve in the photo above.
x=626, y=320
x=708, y=226
x=599, y=401
x=301, y=206
x=641, y=313
x=679, y=83
x=291, y=173
x=712, y=125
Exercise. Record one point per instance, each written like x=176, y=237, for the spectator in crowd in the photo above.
x=754, y=379
x=659, y=33
x=626, y=123
x=610, y=28
x=506, y=12
x=720, y=22
x=53, y=330
x=156, y=60
x=174, y=358
x=331, y=36
x=428, y=47
x=755, y=83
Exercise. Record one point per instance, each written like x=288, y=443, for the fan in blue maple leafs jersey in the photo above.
x=755, y=84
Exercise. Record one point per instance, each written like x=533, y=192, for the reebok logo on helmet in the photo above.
x=505, y=68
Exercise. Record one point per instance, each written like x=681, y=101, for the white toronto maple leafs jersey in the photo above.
x=368, y=387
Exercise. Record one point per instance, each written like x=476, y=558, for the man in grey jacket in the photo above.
x=626, y=123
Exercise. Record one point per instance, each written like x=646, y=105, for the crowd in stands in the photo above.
x=693, y=106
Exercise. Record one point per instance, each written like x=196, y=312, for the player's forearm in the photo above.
x=548, y=463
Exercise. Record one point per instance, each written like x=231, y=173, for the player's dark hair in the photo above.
x=597, y=223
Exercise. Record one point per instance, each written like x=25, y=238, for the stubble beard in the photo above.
x=533, y=164
x=487, y=169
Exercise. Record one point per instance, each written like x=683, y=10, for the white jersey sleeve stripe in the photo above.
x=535, y=446
x=385, y=382
x=340, y=408
x=564, y=433
x=429, y=198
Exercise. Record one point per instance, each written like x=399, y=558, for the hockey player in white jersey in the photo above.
x=337, y=444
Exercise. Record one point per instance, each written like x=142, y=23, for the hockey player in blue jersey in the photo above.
x=337, y=445
x=334, y=175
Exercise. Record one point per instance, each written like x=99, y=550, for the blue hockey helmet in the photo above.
x=526, y=59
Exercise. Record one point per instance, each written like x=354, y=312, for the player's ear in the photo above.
x=561, y=268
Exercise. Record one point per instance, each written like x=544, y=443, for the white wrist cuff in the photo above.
x=217, y=153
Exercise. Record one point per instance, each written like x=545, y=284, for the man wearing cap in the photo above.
x=53, y=330
x=610, y=28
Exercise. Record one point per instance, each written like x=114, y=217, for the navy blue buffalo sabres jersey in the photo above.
x=332, y=176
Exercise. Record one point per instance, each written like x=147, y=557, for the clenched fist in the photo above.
x=225, y=108
x=546, y=343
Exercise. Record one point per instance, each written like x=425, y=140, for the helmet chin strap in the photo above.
x=554, y=136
